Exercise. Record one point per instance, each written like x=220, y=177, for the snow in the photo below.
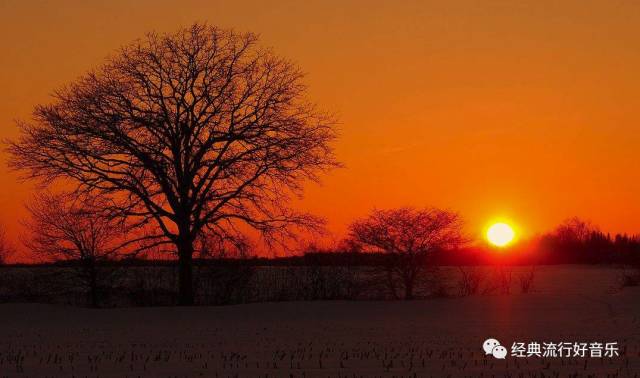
x=429, y=338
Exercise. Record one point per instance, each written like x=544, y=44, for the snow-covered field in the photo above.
x=430, y=338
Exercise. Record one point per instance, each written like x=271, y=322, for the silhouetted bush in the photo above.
x=499, y=282
x=526, y=281
x=630, y=277
x=470, y=281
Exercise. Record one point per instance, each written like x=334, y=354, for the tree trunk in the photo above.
x=408, y=290
x=185, y=273
x=93, y=287
x=408, y=276
x=391, y=285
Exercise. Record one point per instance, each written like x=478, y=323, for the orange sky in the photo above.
x=519, y=109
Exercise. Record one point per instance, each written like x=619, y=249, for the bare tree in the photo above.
x=574, y=230
x=408, y=235
x=65, y=228
x=5, y=248
x=196, y=132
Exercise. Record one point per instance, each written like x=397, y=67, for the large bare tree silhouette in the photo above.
x=196, y=131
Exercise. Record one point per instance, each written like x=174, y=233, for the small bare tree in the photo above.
x=195, y=132
x=65, y=228
x=574, y=230
x=5, y=248
x=408, y=236
x=470, y=280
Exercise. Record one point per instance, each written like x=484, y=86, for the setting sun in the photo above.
x=500, y=234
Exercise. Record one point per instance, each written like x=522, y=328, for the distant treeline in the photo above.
x=573, y=242
x=598, y=248
x=577, y=241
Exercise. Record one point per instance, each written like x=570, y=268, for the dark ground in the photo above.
x=429, y=338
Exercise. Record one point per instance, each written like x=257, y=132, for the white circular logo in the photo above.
x=493, y=347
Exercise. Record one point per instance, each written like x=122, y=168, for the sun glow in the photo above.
x=500, y=234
